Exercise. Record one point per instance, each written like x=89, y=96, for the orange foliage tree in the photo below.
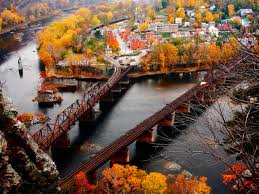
x=184, y=185
x=234, y=176
x=82, y=186
x=11, y=18
x=231, y=9
x=125, y=179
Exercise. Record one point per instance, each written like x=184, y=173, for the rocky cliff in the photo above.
x=24, y=168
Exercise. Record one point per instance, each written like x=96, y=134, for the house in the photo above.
x=176, y=35
x=124, y=34
x=160, y=27
x=213, y=31
x=108, y=50
x=225, y=21
x=161, y=18
x=244, y=12
x=187, y=24
x=225, y=27
x=245, y=22
x=212, y=8
x=204, y=25
x=178, y=21
x=137, y=44
x=190, y=13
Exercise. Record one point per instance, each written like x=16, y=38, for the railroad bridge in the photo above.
x=117, y=151
x=56, y=134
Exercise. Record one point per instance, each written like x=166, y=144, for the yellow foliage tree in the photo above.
x=208, y=16
x=10, y=18
x=143, y=27
x=231, y=9
x=95, y=21
x=1, y=23
x=154, y=183
x=198, y=16
x=171, y=20
x=180, y=13
x=122, y=179
x=182, y=184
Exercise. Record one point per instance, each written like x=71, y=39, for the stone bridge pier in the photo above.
x=147, y=137
x=125, y=82
x=62, y=142
x=168, y=121
x=121, y=157
x=88, y=118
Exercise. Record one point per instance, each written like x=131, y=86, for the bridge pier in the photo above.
x=88, y=118
x=168, y=121
x=62, y=142
x=116, y=90
x=106, y=102
x=125, y=81
x=185, y=108
x=146, y=138
x=121, y=157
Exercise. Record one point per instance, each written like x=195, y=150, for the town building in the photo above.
x=160, y=27
x=245, y=12
x=179, y=21
x=137, y=44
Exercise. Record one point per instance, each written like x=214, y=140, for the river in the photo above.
x=142, y=99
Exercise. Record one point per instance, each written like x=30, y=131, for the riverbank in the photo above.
x=24, y=25
x=135, y=75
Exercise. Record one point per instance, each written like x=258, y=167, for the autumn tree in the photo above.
x=198, y=16
x=180, y=13
x=82, y=186
x=95, y=21
x=184, y=185
x=143, y=27
x=214, y=56
x=1, y=23
x=10, y=18
x=231, y=9
x=208, y=16
x=122, y=179
x=154, y=183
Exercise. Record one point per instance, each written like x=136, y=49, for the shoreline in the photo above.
x=25, y=24
x=136, y=75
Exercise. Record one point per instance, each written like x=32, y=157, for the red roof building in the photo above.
x=137, y=44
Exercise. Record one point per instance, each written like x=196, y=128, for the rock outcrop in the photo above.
x=24, y=168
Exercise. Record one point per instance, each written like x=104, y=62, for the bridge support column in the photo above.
x=185, y=108
x=88, y=118
x=168, y=121
x=106, y=102
x=121, y=157
x=62, y=142
x=125, y=81
x=147, y=137
x=116, y=90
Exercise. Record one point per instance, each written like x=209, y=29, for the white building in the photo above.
x=213, y=31
x=244, y=12
x=163, y=27
x=179, y=21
